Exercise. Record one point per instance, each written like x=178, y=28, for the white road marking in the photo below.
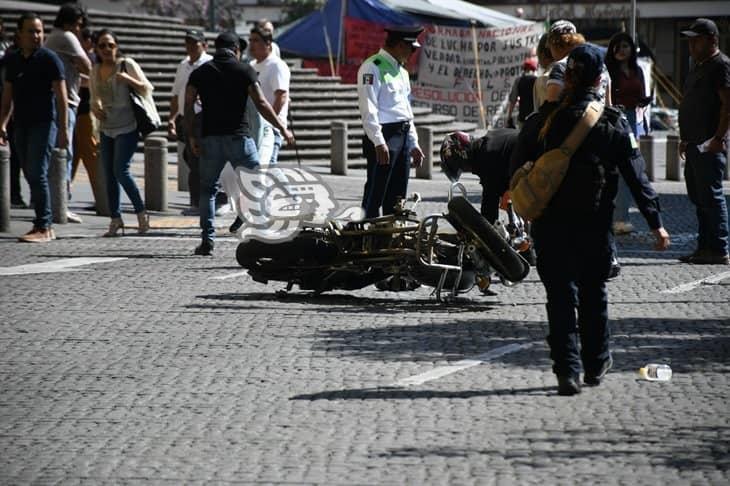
x=63, y=265
x=442, y=371
x=712, y=279
x=230, y=275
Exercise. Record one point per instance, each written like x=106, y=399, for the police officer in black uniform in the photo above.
x=572, y=237
x=488, y=157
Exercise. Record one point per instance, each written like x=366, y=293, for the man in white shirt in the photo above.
x=267, y=26
x=390, y=139
x=274, y=76
x=65, y=41
x=195, y=46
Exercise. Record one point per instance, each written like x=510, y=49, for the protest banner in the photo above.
x=447, y=71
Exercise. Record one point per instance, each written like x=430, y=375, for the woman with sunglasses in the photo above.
x=110, y=82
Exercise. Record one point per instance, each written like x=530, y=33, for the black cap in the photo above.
x=227, y=40
x=587, y=61
x=406, y=33
x=196, y=35
x=701, y=27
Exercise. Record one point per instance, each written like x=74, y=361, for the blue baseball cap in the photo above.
x=586, y=60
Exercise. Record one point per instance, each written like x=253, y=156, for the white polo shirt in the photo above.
x=181, y=81
x=274, y=75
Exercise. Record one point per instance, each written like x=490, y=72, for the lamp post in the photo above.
x=211, y=14
x=633, y=20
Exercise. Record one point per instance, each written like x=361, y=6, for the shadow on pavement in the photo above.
x=406, y=394
x=687, y=345
x=344, y=303
x=688, y=448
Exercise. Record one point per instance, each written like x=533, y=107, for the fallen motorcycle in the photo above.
x=400, y=248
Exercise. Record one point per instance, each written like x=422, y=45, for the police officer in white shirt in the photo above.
x=390, y=139
x=195, y=47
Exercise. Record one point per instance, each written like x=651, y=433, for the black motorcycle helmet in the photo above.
x=455, y=154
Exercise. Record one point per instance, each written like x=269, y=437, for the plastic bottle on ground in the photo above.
x=656, y=372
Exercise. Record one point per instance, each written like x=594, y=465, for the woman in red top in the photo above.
x=628, y=93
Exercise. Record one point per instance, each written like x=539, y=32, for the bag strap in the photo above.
x=590, y=117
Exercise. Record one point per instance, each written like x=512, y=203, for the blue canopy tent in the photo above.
x=306, y=38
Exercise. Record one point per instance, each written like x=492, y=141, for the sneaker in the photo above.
x=594, y=379
x=622, y=228
x=223, y=210
x=73, y=217
x=191, y=211
x=205, y=248
x=568, y=386
x=710, y=258
x=236, y=225
x=38, y=235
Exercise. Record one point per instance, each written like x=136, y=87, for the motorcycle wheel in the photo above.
x=495, y=249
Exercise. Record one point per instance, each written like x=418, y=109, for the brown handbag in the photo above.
x=535, y=183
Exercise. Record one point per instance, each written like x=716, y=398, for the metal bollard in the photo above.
x=58, y=186
x=183, y=171
x=646, y=146
x=338, y=148
x=4, y=189
x=674, y=172
x=425, y=140
x=155, y=173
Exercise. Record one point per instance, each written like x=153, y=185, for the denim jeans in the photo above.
x=34, y=144
x=278, y=139
x=623, y=196
x=216, y=150
x=116, y=157
x=71, y=114
x=703, y=174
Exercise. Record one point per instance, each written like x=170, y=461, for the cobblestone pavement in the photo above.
x=159, y=367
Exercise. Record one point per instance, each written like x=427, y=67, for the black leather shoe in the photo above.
x=710, y=258
x=594, y=379
x=568, y=386
x=615, y=271
x=686, y=258
x=236, y=225
x=205, y=248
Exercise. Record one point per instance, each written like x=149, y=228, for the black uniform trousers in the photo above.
x=386, y=183
x=573, y=262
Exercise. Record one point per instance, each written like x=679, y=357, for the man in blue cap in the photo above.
x=390, y=139
x=573, y=234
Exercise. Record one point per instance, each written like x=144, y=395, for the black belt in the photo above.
x=403, y=126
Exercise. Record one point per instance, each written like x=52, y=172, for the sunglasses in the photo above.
x=110, y=45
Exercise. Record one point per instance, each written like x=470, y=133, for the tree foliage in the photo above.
x=296, y=9
x=194, y=12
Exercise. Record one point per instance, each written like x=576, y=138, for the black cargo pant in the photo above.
x=386, y=183
x=573, y=263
